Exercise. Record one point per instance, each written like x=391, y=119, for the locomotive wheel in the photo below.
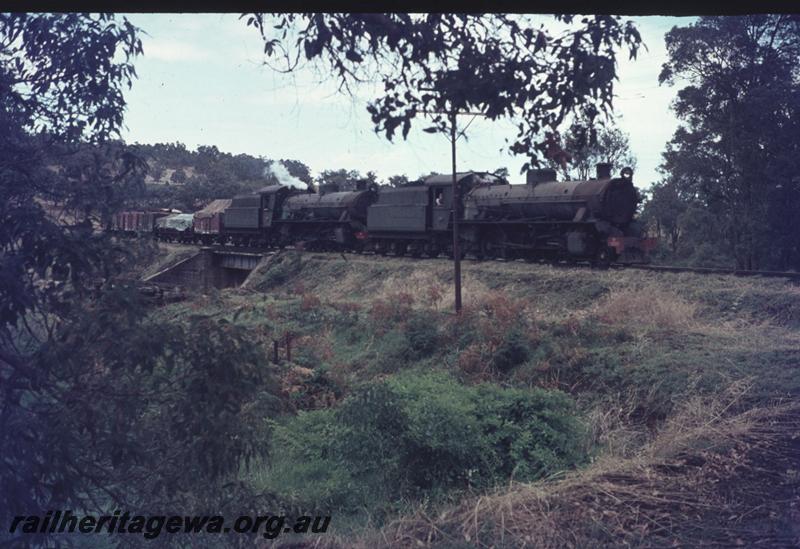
x=481, y=250
x=397, y=248
x=461, y=253
x=602, y=259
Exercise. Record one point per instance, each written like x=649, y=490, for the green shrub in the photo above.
x=423, y=337
x=532, y=433
x=420, y=435
x=393, y=351
x=411, y=433
x=303, y=466
x=513, y=351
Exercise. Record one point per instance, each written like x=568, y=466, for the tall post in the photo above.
x=456, y=203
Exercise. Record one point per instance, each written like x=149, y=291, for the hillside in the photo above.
x=565, y=407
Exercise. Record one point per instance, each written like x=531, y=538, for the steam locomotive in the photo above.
x=592, y=220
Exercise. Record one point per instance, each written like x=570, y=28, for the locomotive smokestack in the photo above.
x=534, y=177
x=603, y=170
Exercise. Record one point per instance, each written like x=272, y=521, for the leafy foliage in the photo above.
x=60, y=74
x=125, y=405
x=513, y=350
x=61, y=88
x=423, y=335
x=417, y=434
x=514, y=68
x=397, y=180
x=347, y=180
x=100, y=408
x=588, y=148
x=735, y=158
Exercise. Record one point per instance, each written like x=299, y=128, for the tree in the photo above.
x=371, y=178
x=662, y=211
x=299, y=170
x=98, y=401
x=513, y=67
x=397, y=180
x=346, y=179
x=60, y=87
x=608, y=145
x=61, y=90
x=178, y=177
x=737, y=151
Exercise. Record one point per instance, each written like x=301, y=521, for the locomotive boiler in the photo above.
x=592, y=219
x=609, y=199
x=330, y=219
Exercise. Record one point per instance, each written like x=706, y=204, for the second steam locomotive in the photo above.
x=591, y=220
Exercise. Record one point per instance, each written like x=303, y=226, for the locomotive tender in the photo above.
x=592, y=220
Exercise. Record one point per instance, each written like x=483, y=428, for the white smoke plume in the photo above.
x=282, y=174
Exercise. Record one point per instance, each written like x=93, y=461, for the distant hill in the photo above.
x=187, y=180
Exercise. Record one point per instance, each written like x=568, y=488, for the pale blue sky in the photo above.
x=202, y=82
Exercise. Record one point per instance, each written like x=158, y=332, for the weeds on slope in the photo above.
x=715, y=474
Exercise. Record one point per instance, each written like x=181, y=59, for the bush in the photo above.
x=393, y=352
x=422, y=334
x=514, y=349
x=420, y=436
x=532, y=433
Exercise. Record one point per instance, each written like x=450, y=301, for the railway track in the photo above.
x=706, y=270
x=642, y=267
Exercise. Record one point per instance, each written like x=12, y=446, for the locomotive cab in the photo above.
x=441, y=205
x=250, y=217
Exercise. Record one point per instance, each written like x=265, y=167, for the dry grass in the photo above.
x=710, y=460
x=646, y=309
x=671, y=299
x=713, y=464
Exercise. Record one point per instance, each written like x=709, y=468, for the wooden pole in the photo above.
x=456, y=211
x=456, y=201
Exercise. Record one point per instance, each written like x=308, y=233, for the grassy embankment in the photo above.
x=565, y=406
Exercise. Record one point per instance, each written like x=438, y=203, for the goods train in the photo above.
x=592, y=220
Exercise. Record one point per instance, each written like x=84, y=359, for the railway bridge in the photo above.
x=212, y=267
